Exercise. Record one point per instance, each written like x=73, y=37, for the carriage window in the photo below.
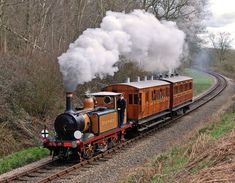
x=176, y=89
x=190, y=86
x=147, y=96
x=154, y=95
x=186, y=86
x=135, y=98
x=130, y=99
x=181, y=88
x=167, y=92
x=163, y=93
x=158, y=94
x=140, y=98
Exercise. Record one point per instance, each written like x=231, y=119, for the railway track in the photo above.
x=53, y=169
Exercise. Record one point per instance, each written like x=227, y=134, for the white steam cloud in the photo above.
x=138, y=36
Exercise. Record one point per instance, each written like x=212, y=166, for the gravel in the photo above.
x=147, y=148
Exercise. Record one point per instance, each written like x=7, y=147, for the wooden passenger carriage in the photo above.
x=181, y=91
x=145, y=99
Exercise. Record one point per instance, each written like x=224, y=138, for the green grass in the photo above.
x=176, y=159
x=203, y=164
x=217, y=130
x=21, y=158
x=201, y=81
x=172, y=161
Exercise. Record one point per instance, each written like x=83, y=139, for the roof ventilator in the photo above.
x=128, y=80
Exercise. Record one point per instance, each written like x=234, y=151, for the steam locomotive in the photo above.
x=95, y=128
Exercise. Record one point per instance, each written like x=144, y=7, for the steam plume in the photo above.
x=139, y=36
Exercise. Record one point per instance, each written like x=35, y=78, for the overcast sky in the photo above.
x=222, y=18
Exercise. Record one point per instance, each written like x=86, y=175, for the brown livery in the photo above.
x=97, y=126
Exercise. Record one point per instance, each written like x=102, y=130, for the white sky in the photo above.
x=223, y=17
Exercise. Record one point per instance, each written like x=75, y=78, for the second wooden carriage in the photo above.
x=181, y=92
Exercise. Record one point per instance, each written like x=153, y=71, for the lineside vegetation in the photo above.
x=21, y=158
x=210, y=149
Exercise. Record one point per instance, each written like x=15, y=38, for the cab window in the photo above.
x=130, y=99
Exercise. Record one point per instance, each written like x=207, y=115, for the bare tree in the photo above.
x=221, y=42
x=2, y=31
x=168, y=9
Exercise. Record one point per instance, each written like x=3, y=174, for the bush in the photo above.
x=35, y=84
x=228, y=67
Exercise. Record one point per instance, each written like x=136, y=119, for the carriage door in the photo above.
x=133, y=106
x=140, y=104
x=146, y=108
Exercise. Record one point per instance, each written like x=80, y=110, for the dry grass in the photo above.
x=209, y=156
x=219, y=159
x=8, y=143
x=138, y=175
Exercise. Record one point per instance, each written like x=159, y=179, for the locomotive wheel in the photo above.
x=88, y=152
x=103, y=147
x=113, y=142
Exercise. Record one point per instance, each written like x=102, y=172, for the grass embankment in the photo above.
x=208, y=156
x=201, y=80
x=21, y=158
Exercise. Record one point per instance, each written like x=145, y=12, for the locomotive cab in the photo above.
x=106, y=100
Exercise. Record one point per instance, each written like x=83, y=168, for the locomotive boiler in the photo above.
x=69, y=122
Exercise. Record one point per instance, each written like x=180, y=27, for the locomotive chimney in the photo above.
x=69, y=104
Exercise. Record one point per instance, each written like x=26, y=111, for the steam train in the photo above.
x=95, y=127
